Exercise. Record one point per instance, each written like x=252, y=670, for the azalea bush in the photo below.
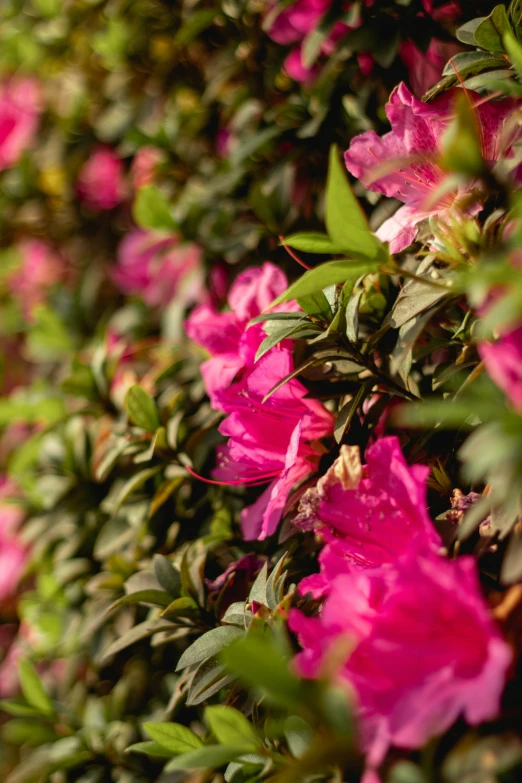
x=260, y=391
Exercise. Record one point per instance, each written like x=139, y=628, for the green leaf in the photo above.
x=209, y=644
x=173, y=736
x=141, y=409
x=152, y=597
x=311, y=242
x=195, y=24
x=490, y=31
x=150, y=748
x=33, y=689
x=466, y=32
x=461, y=147
x=18, y=708
x=467, y=63
x=181, y=607
x=345, y=220
x=514, y=50
x=151, y=210
x=209, y=757
x=316, y=305
x=348, y=411
x=260, y=664
x=168, y=576
x=276, y=337
x=231, y=728
x=333, y=272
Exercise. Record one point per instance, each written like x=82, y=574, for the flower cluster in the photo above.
x=407, y=628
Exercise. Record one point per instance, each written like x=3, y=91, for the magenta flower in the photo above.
x=13, y=554
x=101, y=181
x=270, y=441
x=368, y=515
x=402, y=164
x=40, y=269
x=224, y=335
x=20, y=109
x=443, y=12
x=291, y=26
x=503, y=362
x=425, y=68
x=420, y=649
x=157, y=267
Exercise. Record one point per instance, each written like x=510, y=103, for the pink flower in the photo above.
x=270, y=441
x=402, y=164
x=13, y=554
x=225, y=336
x=417, y=645
x=157, y=267
x=144, y=165
x=291, y=26
x=443, y=12
x=20, y=109
x=40, y=269
x=425, y=68
x=101, y=181
x=503, y=362
x=368, y=515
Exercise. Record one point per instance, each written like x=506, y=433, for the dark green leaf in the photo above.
x=208, y=645
x=141, y=409
x=490, y=31
x=168, y=576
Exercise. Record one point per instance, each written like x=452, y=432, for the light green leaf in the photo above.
x=150, y=748
x=231, y=728
x=173, y=737
x=33, y=689
x=345, y=220
x=333, y=272
x=209, y=757
x=151, y=210
x=311, y=242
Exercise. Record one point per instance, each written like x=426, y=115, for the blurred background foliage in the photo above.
x=133, y=563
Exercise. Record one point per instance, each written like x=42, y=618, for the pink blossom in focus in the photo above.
x=369, y=515
x=40, y=269
x=503, y=362
x=20, y=109
x=225, y=336
x=269, y=441
x=144, y=165
x=156, y=266
x=425, y=68
x=412, y=147
x=101, y=181
x=420, y=649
